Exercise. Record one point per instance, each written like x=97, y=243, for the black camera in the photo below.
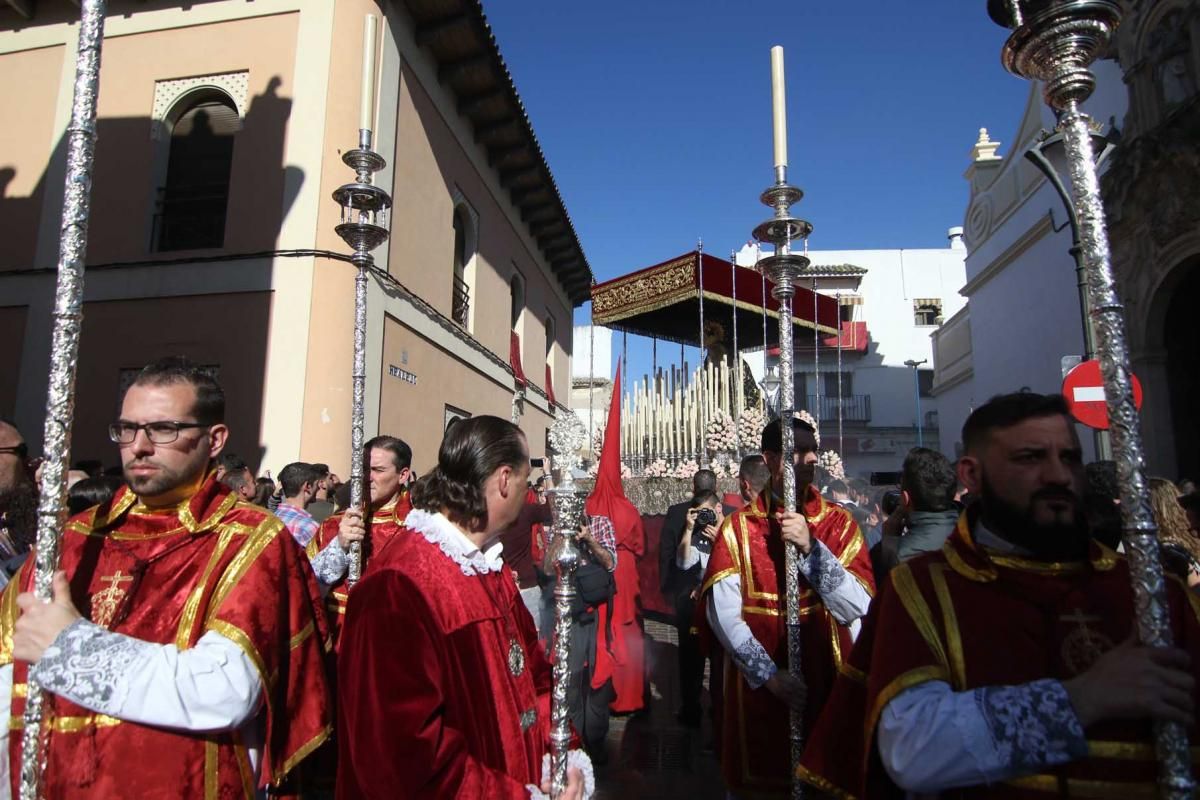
x=704, y=518
x=890, y=501
x=537, y=463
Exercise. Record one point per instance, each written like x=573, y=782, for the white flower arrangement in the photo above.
x=567, y=437
x=720, y=435
x=598, y=441
x=750, y=426
x=658, y=468
x=594, y=470
x=685, y=470
x=831, y=462
x=811, y=420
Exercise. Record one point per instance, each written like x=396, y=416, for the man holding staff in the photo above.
x=184, y=636
x=744, y=590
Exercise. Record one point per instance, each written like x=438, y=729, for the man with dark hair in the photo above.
x=229, y=462
x=678, y=585
x=746, y=611
x=298, y=482
x=1006, y=662
x=927, y=513
x=839, y=492
x=443, y=689
x=184, y=630
x=323, y=504
x=18, y=501
x=754, y=476
x=240, y=481
x=388, y=461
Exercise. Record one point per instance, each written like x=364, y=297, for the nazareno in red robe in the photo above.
x=385, y=523
x=624, y=658
x=755, y=753
x=430, y=700
x=211, y=564
x=974, y=619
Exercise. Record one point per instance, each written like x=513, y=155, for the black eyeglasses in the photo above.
x=157, y=432
x=18, y=450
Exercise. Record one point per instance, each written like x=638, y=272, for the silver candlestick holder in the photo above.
x=363, y=227
x=1056, y=41
x=784, y=268
x=567, y=436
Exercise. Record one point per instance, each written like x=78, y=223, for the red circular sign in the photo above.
x=1084, y=389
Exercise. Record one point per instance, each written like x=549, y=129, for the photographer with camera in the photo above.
x=677, y=585
x=922, y=512
x=704, y=520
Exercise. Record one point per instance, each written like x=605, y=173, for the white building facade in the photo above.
x=1021, y=319
x=891, y=301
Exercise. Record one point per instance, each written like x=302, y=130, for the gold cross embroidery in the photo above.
x=1083, y=645
x=106, y=602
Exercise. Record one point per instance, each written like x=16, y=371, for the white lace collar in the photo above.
x=454, y=543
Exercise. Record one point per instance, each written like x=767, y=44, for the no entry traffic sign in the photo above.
x=1084, y=389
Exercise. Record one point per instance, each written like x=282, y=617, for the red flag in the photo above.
x=514, y=359
x=549, y=385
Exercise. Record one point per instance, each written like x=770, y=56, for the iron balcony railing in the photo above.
x=854, y=407
x=190, y=217
x=460, y=306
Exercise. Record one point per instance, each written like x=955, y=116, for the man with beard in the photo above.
x=18, y=501
x=388, y=465
x=443, y=689
x=183, y=651
x=746, y=604
x=1005, y=664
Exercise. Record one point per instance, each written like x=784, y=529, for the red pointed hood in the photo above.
x=608, y=497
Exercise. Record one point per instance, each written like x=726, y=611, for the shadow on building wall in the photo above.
x=143, y=301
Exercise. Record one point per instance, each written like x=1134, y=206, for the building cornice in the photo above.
x=1044, y=226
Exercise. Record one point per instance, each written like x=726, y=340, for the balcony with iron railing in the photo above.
x=460, y=305
x=190, y=217
x=854, y=407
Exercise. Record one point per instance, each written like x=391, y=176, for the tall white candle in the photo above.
x=366, y=107
x=778, y=106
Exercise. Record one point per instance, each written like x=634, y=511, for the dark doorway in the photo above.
x=1182, y=337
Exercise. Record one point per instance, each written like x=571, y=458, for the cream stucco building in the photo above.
x=221, y=126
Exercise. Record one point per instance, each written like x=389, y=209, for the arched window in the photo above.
x=191, y=205
x=460, y=303
x=516, y=288
x=551, y=335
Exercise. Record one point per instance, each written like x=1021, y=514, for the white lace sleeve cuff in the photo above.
x=212, y=686
x=841, y=593
x=331, y=564
x=575, y=758
x=1033, y=725
x=89, y=665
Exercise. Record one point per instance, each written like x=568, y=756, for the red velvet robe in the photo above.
x=755, y=745
x=973, y=619
x=385, y=523
x=429, y=705
x=212, y=564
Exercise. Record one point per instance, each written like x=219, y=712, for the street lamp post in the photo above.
x=917, y=396
x=1049, y=155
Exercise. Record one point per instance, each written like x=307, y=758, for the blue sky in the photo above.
x=655, y=117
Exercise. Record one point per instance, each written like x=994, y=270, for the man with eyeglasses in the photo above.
x=18, y=501
x=183, y=650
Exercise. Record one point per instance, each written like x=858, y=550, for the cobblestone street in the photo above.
x=651, y=755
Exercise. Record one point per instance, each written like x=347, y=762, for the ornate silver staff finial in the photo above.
x=64, y=352
x=567, y=437
x=783, y=268
x=1056, y=41
x=363, y=227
